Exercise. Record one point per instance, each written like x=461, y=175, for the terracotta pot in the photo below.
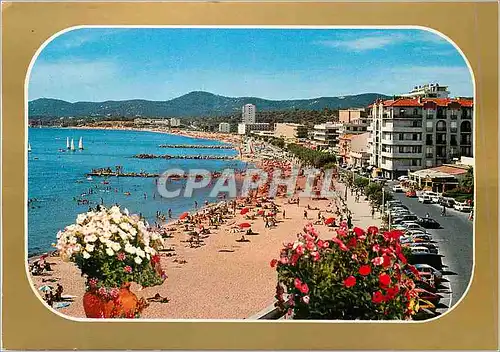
x=123, y=306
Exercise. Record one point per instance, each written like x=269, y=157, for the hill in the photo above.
x=194, y=104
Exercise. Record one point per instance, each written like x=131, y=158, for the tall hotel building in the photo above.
x=248, y=113
x=422, y=129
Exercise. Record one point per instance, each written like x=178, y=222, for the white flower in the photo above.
x=102, y=239
x=140, y=252
x=92, y=238
x=129, y=248
x=72, y=240
x=86, y=255
x=125, y=226
x=81, y=218
x=89, y=248
x=113, y=228
x=155, y=236
x=116, y=218
x=132, y=232
x=109, y=252
x=106, y=234
x=138, y=260
x=116, y=246
x=147, y=256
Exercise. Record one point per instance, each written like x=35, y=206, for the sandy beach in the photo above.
x=223, y=278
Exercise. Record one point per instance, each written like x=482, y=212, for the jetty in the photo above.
x=196, y=146
x=185, y=157
x=118, y=172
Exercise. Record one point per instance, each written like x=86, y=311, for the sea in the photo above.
x=57, y=177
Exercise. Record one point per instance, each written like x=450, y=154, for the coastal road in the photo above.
x=455, y=241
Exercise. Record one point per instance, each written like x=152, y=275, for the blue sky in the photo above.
x=98, y=64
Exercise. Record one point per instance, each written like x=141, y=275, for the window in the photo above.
x=401, y=136
x=415, y=111
x=453, y=139
x=428, y=139
x=415, y=137
x=428, y=163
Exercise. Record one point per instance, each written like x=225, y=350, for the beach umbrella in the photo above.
x=329, y=221
x=245, y=225
x=244, y=211
x=184, y=215
x=45, y=288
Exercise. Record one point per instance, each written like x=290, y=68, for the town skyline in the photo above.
x=99, y=64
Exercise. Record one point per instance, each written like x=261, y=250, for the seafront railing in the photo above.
x=196, y=146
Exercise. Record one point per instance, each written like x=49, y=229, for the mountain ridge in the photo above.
x=192, y=104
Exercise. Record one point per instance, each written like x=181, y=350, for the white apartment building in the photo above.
x=174, y=122
x=354, y=121
x=245, y=128
x=428, y=91
x=224, y=127
x=326, y=135
x=412, y=133
x=248, y=113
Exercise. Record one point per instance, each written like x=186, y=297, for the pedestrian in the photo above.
x=195, y=204
x=349, y=221
x=319, y=215
x=427, y=215
x=284, y=216
x=170, y=213
x=305, y=214
x=373, y=212
x=298, y=200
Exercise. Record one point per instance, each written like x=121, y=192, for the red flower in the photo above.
x=373, y=230
x=395, y=234
x=414, y=270
x=352, y=242
x=384, y=280
x=128, y=269
x=387, y=261
x=376, y=248
x=350, y=281
x=365, y=270
x=402, y=258
x=297, y=283
x=315, y=256
x=120, y=256
x=304, y=288
x=320, y=243
x=284, y=260
x=341, y=232
x=294, y=259
x=359, y=232
x=378, y=261
x=378, y=297
x=326, y=244
x=155, y=259
x=274, y=262
x=392, y=291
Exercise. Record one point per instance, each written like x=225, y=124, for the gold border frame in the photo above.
x=28, y=324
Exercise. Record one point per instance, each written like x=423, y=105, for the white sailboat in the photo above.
x=29, y=147
x=67, y=142
x=80, y=143
x=72, y=145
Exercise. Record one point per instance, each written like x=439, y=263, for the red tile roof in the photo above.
x=451, y=170
x=414, y=102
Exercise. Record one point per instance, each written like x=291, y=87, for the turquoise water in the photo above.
x=57, y=179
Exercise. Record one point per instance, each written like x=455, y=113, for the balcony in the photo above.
x=453, y=117
x=401, y=155
x=440, y=129
x=453, y=129
x=400, y=142
x=441, y=142
x=407, y=116
x=401, y=129
x=429, y=155
x=429, y=129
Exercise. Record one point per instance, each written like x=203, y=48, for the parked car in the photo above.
x=434, y=260
x=424, y=198
x=419, y=249
x=462, y=207
x=414, y=232
x=393, y=203
x=402, y=178
x=433, y=195
x=430, y=246
x=428, y=223
x=411, y=194
x=412, y=226
x=417, y=238
x=397, y=188
x=427, y=268
x=447, y=202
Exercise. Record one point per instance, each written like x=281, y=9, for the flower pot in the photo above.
x=124, y=305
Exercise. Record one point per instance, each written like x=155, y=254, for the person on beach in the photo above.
x=349, y=221
x=305, y=214
x=170, y=213
x=373, y=213
x=195, y=204
x=284, y=214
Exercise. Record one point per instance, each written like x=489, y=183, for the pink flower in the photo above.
x=92, y=282
x=378, y=261
x=128, y=269
x=326, y=244
x=315, y=256
x=120, y=256
x=352, y=242
x=304, y=288
x=354, y=257
x=297, y=283
x=320, y=243
x=273, y=263
x=306, y=299
x=373, y=230
x=341, y=232
x=376, y=248
x=299, y=250
x=284, y=260
x=102, y=291
x=114, y=292
x=291, y=300
x=350, y=281
x=310, y=245
x=341, y=244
